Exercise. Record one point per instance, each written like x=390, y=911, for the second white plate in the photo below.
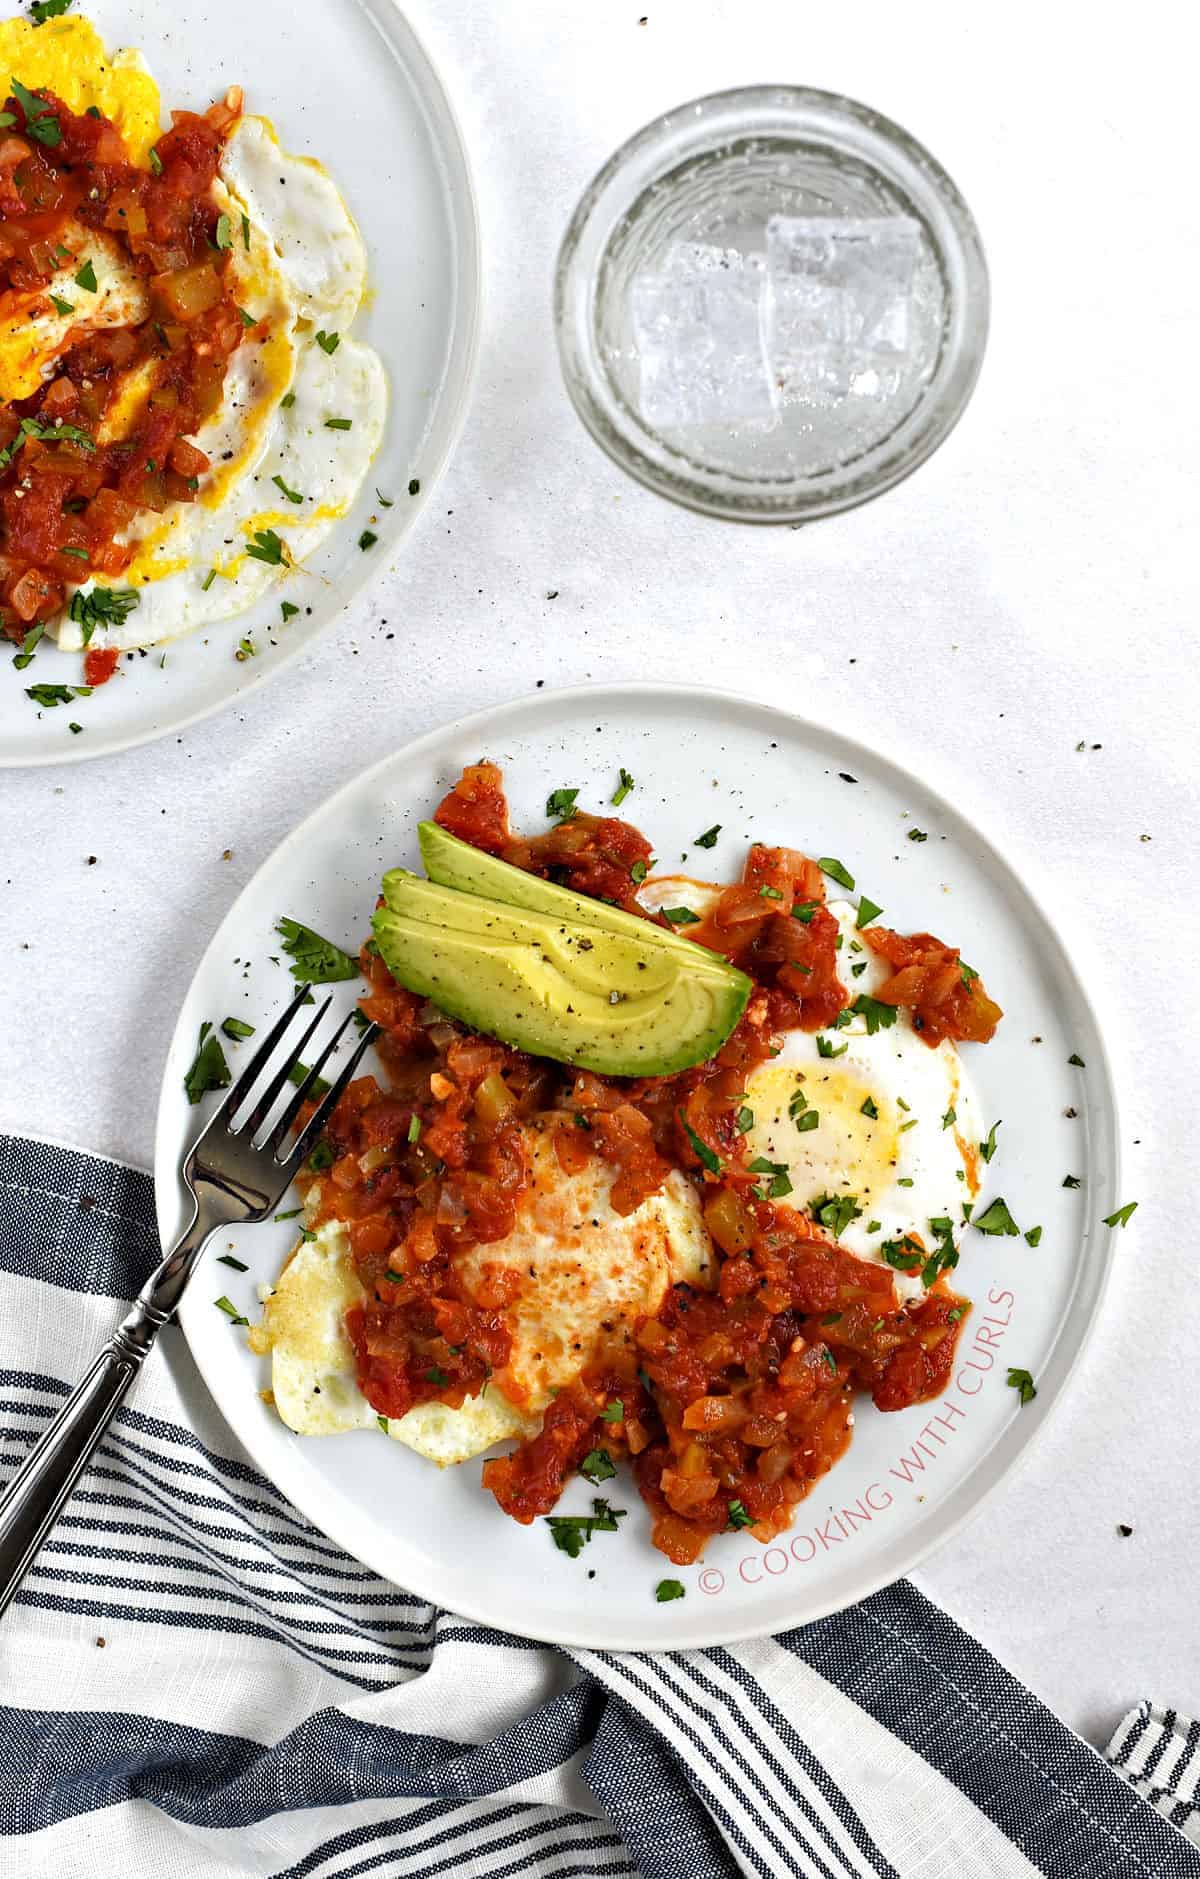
x=909, y=1479
x=350, y=83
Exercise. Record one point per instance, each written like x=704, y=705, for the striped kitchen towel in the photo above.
x=194, y=1681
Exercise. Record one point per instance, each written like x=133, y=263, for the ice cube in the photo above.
x=698, y=328
x=837, y=302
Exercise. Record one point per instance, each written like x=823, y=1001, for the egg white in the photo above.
x=298, y=263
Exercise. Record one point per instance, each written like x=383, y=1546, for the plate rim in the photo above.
x=1075, y=1331
x=450, y=409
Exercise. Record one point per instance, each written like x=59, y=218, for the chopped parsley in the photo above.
x=156, y=162
x=1122, y=1216
x=236, y=1028
x=367, y=539
x=227, y=1259
x=40, y=121
x=950, y=1117
x=806, y=1122
x=383, y=1423
x=329, y=342
x=624, y=785
x=316, y=959
x=439, y=1378
x=247, y=319
x=738, y=1517
x=62, y=306
x=1023, y=1384
x=707, y=840
x=414, y=485
x=209, y=1070
x=572, y=1532
x=879, y=1017
x=944, y=1256
x=830, y=865
x=997, y=1219
x=744, y=1120
x=869, y=1108
x=267, y=546
x=385, y=502
x=637, y=873
x=339, y=424
x=705, y=1155
x=904, y=1255
x=827, y=1048
x=230, y=1309
x=1034, y=1236
x=770, y=893
x=614, y=1411
x=561, y=803
x=414, y=1129
x=208, y=580
x=867, y=911
x=287, y=401
x=86, y=278
x=779, y=1184
x=1072, y=1180
x=293, y=495
x=834, y=1212
x=49, y=695
x=288, y=609
x=597, y=1466
x=917, y=835
x=43, y=10
x=1077, y=1060
x=804, y=911
x=323, y=1156
x=681, y=916
x=224, y=233
x=28, y=645
x=666, y=1590
x=297, y=1076
x=987, y=1149
x=246, y=233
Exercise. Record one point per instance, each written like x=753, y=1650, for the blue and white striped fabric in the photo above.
x=194, y=1681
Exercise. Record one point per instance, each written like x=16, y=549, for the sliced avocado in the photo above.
x=454, y=863
x=604, y=1001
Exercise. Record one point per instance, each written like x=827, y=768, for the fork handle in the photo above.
x=35, y=1496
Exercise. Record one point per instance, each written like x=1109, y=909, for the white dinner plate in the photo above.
x=346, y=81
x=908, y=1479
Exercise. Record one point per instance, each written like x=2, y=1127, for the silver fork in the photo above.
x=234, y=1173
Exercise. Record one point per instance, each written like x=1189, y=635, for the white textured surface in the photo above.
x=1033, y=586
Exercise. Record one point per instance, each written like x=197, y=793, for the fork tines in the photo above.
x=276, y=1141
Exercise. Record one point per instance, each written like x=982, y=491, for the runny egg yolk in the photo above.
x=68, y=57
x=849, y=1149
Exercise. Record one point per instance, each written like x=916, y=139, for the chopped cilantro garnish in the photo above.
x=744, y=1120
x=811, y=1119
x=770, y=893
x=614, y=1411
x=62, y=306
x=414, y=485
x=236, y=1028
x=247, y=319
x=738, y=1517
x=323, y=1156
x=708, y=840
x=827, y=1048
x=329, y=342
x=879, y=1017
x=339, y=424
x=950, y=1117
x=367, y=539
x=835, y=1212
x=1077, y=1060
x=43, y=10
x=25, y=656
x=904, y=1255
x=209, y=1070
x=315, y=958
x=572, y=1532
x=86, y=278
x=804, y=911
x=624, y=785
x=50, y=695
x=40, y=121
x=867, y=911
x=987, y=1149
x=561, y=803
x=287, y=401
x=385, y=502
x=1034, y=1236
x=231, y=1311
x=293, y=495
x=1023, y=1383
x=917, y=835
x=681, y=916
x=414, y=1129
x=997, y=1219
x=637, y=873
x=294, y=1214
x=383, y=1423
x=1072, y=1180
x=701, y=1150
x=288, y=609
x=223, y=237
x=267, y=546
x=869, y=1108
x=246, y=233
x=439, y=1378
x=666, y=1590
x=830, y=865
x=1122, y=1216
x=598, y=1465
x=227, y=1259
x=208, y=580
x=297, y=1075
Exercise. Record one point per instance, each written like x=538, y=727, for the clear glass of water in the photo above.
x=771, y=304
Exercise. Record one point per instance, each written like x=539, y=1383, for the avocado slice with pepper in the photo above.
x=612, y=1002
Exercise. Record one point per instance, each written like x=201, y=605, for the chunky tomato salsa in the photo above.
x=734, y=1400
x=159, y=313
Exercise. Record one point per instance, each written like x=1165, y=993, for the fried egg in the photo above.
x=897, y=1125
x=589, y=1275
x=304, y=407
